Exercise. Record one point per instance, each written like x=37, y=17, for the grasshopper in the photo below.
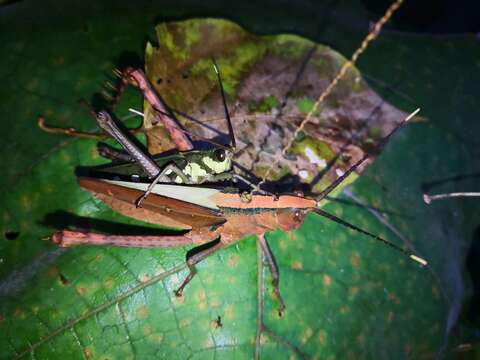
x=217, y=216
x=186, y=167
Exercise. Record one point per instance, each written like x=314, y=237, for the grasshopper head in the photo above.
x=290, y=219
x=219, y=160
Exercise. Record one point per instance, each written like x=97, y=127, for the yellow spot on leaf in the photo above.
x=263, y=339
x=355, y=260
x=390, y=316
x=108, y=282
x=208, y=279
x=179, y=299
x=80, y=289
x=147, y=329
x=144, y=278
x=202, y=305
x=88, y=352
x=99, y=257
x=233, y=261
x=283, y=245
x=142, y=312
x=26, y=201
x=19, y=313
x=327, y=280
x=94, y=286
x=297, y=265
x=338, y=211
x=361, y=340
x=158, y=338
x=185, y=322
x=202, y=295
x=208, y=344
x=229, y=312
x=35, y=309
x=159, y=270
x=232, y=280
x=306, y=335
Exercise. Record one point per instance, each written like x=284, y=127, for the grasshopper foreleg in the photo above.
x=273, y=270
x=108, y=152
x=161, y=178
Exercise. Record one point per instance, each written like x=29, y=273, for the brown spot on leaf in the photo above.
x=108, y=282
x=297, y=265
x=394, y=298
x=217, y=323
x=147, y=329
x=81, y=289
x=352, y=291
x=322, y=337
x=355, y=260
x=142, y=312
x=327, y=280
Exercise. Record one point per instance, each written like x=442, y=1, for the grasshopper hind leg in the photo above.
x=273, y=270
x=200, y=254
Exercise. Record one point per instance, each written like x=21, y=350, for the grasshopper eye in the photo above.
x=219, y=154
x=298, y=216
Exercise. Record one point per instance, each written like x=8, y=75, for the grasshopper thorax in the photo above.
x=202, y=165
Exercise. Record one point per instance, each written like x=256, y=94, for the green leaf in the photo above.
x=346, y=296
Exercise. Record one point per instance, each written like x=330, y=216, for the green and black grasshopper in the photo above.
x=183, y=167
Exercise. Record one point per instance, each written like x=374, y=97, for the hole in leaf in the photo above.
x=159, y=81
x=63, y=279
x=12, y=235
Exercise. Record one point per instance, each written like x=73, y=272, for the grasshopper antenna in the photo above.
x=340, y=179
x=227, y=115
x=139, y=113
x=336, y=219
x=429, y=198
x=365, y=157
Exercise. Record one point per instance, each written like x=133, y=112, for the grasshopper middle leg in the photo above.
x=195, y=259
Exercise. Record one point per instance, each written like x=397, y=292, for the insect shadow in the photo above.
x=472, y=259
x=64, y=219
x=426, y=187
